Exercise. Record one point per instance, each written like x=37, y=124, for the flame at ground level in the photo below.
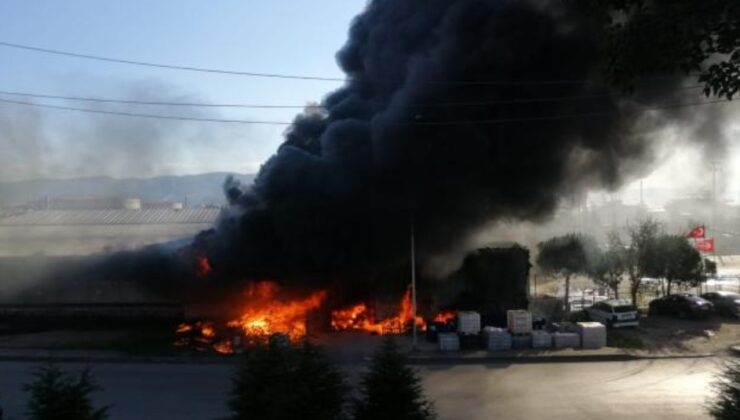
x=361, y=317
x=264, y=313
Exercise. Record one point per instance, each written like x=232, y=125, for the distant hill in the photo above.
x=196, y=189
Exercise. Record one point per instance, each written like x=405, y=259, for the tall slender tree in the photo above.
x=726, y=403
x=566, y=256
x=56, y=395
x=610, y=264
x=391, y=390
x=641, y=254
x=275, y=383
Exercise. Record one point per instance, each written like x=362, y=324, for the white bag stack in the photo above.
x=566, y=339
x=448, y=342
x=519, y=321
x=468, y=322
x=497, y=339
x=541, y=339
x=593, y=334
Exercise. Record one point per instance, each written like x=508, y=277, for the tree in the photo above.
x=657, y=37
x=59, y=396
x=726, y=404
x=391, y=390
x=565, y=256
x=611, y=264
x=641, y=253
x=276, y=382
x=677, y=262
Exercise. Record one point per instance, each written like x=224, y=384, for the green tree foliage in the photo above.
x=676, y=261
x=656, y=37
x=710, y=267
x=610, y=265
x=641, y=254
x=391, y=390
x=276, y=382
x=726, y=404
x=55, y=395
x=566, y=256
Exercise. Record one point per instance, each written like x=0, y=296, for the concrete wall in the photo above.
x=89, y=239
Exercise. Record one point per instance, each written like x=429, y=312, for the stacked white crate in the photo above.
x=593, y=334
x=448, y=342
x=519, y=321
x=497, y=338
x=541, y=339
x=566, y=339
x=468, y=322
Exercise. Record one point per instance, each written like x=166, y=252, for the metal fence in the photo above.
x=650, y=289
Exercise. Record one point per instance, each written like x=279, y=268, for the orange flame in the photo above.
x=445, y=316
x=360, y=317
x=264, y=314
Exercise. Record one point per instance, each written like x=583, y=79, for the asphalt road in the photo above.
x=651, y=389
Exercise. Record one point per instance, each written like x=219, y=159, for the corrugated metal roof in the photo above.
x=112, y=217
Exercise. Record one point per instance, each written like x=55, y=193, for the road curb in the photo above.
x=412, y=360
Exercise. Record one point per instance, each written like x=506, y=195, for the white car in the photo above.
x=614, y=313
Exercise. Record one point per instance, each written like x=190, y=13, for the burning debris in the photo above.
x=361, y=317
x=264, y=312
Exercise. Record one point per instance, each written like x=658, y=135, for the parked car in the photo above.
x=682, y=305
x=725, y=303
x=614, y=313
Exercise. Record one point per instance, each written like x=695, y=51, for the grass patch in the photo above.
x=624, y=340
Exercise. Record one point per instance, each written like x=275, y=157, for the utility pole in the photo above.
x=414, y=345
x=715, y=169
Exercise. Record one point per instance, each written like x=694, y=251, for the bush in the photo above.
x=276, y=383
x=726, y=405
x=56, y=395
x=392, y=390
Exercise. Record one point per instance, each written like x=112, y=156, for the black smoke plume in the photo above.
x=443, y=125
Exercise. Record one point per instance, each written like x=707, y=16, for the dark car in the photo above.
x=725, y=303
x=682, y=305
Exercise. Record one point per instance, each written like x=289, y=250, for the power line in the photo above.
x=153, y=116
x=294, y=76
x=157, y=103
x=316, y=106
x=169, y=66
x=419, y=123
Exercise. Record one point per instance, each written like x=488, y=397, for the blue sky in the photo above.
x=294, y=37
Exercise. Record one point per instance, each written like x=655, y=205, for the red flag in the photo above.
x=697, y=232
x=706, y=246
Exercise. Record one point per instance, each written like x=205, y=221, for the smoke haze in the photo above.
x=340, y=194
